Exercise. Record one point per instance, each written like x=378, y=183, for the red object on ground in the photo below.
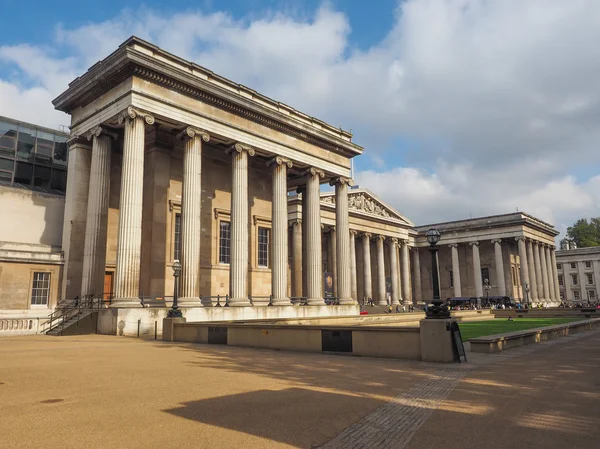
x=364, y=312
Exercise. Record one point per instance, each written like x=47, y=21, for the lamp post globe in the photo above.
x=174, y=312
x=437, y=310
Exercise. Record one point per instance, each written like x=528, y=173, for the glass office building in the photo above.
x=33, y=157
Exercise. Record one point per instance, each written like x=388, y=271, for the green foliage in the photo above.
x=473, y=329
x=585, y=233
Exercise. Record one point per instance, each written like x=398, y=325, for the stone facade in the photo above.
x=578, y=273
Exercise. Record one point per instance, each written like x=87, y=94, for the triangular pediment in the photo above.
x=364, y=202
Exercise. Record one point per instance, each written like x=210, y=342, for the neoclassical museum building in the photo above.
x=169, y=161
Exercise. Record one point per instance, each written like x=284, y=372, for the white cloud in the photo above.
x=500, y=97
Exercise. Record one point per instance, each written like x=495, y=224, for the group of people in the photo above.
x=400, y=308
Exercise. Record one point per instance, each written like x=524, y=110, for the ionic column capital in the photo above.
x=393, y=241
x=518, y=239
x=341, y=180
x=99, y=130
x=132, y=113
x=403, y=242
x=367, y=235
x=453, y=245
x=353, y=232
x=496, y=240
x=190, y=132
x=475, y=243
x=280, y=160
x=295, y=222
x=380, y=237
x=240, y=148
x=313, y=171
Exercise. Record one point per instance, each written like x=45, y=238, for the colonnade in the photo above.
x=537, y=271
x=127, y=274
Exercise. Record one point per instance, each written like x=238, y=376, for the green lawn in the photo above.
x=474, y=329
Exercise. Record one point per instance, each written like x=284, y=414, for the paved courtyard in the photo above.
x=101, y=391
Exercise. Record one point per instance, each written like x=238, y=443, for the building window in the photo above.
x=591, y=294
x=177, y=238
x=562, y=296
x=561, y=281
x=590, y=278
x=588, y=264
x=573, y=265
x=576, y=295
x=40, y=290
x=451, y=278
x=224, y=242
x=559, y=266
x=485, y=274
x=263, y=247
x=574, y=279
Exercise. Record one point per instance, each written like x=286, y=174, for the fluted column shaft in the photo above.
x=555, y=274
x=302, y=191
x=368, y=283
x=314, y=264
x=332, y=256
x=343, y=260
x=551, y=294
x=455, y=270
x=94, y=250
x=129, y=241
x=238, y=268
x=405, y=273
x=381, y=294
x=393, y=243
x=533, y=292
x=353, y=278
x=499, y=267
x=538, y=270
x=524, y=269
x=279, y=245
x=417, y=277
x=191, y=200
x=477, y=269
x=544, y=274
x=297, y=258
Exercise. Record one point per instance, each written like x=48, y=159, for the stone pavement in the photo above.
x=102, y=391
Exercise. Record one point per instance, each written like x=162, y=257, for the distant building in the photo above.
x=578, y=273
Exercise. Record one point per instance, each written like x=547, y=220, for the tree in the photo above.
x=585, y=233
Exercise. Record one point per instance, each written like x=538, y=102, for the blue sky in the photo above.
x=464, y=107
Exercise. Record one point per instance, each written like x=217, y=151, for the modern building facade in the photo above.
x=578, y=272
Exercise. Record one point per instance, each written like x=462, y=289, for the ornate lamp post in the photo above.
x=175, y=312
x=437, y=310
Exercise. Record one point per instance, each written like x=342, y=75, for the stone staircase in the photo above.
x=76, y=317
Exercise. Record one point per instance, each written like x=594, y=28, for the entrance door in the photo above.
x=108, y=285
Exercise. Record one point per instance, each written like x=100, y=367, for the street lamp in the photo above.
x=437, y=310
x=174, y=312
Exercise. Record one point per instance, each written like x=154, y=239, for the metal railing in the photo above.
x=70, y=309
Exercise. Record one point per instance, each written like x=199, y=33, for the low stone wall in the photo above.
x=547, y=313
x=496, y=343
x=399, y=343
x=126, y=321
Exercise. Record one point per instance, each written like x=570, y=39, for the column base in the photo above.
x=381, y=303
x=281, y=302
x=315, y=302
x=347, y=302
x=396, y=302
x=125, y=303
x=239, y=302
x=189, y=301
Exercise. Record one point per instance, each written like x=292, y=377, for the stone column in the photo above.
x=302, y=191
x=381, y=293
x=94, y=248
x=332, y=258
x=477, y=270
x=191, y=227
x=279, y=230
x=297, y=258
x=455, y=270
x=544, y=264
x=538, y=270
x=551, y=294
x=405, y=273
x=394, y=270
x=532, y=276
x=353, y=279
x=129, y=241
x=417, y=275
x=314, y=258
x=499, y=267
x=524, y=269
x=368, y=283
x=238, y=267
x=555, y=274
x=343, y=260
